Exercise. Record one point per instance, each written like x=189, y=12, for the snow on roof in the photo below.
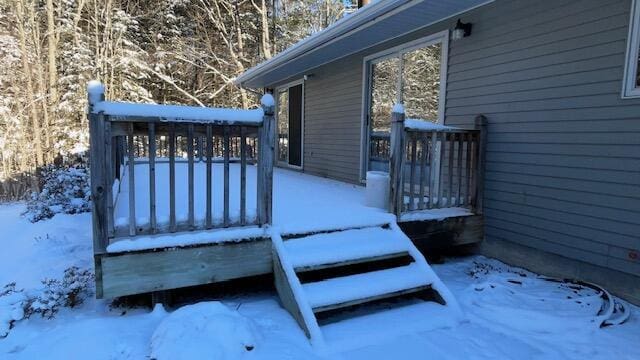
x=418, y=124
x=179, y=112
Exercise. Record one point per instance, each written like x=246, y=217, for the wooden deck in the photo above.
x=177, y=204
x=303, y=204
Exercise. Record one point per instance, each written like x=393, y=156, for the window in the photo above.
x=413, y=74
x=631, y=86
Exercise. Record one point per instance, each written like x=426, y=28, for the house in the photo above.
x=512, y=124
x=557, y=82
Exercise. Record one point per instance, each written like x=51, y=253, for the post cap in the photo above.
x=267, y=100
x=95, y=90
x=398, y=108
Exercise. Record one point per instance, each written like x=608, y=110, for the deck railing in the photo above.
x=120, y=140
x=433, y=167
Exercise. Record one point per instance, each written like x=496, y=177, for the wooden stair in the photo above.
x=322, y=273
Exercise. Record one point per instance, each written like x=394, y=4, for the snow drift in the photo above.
x=208, y=330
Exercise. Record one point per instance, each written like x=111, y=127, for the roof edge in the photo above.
x=312, y=42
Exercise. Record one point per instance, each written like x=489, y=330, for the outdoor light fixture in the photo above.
x=461, y=30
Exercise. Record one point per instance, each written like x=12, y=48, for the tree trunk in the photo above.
x=26, y=68
x=42, y=92
x=52, y=44
x=266, y=43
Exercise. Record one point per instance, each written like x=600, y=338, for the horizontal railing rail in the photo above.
x=434, y=167
x=121, y=145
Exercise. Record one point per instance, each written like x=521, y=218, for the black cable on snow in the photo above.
x=612, y=312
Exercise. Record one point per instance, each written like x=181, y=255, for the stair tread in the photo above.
x=366, y=285
x=343, y=246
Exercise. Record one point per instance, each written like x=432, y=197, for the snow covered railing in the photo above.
x=435, y=166
x=125, y=135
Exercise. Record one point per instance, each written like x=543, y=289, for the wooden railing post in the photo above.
x=97, y=142
x=396, y=160
x=481, y=124
x=266, y=152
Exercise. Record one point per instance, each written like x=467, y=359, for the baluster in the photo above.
x=209, y=215
x=468, y=171
x=472, y=180
x=423, y=169
x=190, y=155
x=459, y=187
x=172, y=177
x=226, y=175
x=152, y=178
x=452, y=140
x=412, y=172
x=443, y=141
x=432, y=172
x=132, y=183
x=110, y=176
x=243, y=176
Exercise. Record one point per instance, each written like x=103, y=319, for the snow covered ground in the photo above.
x=510, y=314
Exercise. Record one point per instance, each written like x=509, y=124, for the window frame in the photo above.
x=441, y=37
x=630, y=89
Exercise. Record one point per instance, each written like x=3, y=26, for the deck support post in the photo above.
x=266, y=153
x=481, y=124
x=162, y=297
x=396, y=160
x=97, y=163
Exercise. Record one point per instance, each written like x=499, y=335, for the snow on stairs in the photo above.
x=320, y=274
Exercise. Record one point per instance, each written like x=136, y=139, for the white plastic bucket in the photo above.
x=377, y=192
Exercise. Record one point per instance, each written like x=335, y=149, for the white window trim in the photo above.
x=277, y=91
x=629, y=87
x=439, y=37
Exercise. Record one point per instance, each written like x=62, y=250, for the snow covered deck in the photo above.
x=301, y=204
x=190, y=213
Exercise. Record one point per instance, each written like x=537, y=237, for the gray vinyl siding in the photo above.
x=563, y=152
x=333, y=96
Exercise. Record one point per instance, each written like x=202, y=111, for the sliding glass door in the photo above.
x=290, y=113
x=413, y=74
